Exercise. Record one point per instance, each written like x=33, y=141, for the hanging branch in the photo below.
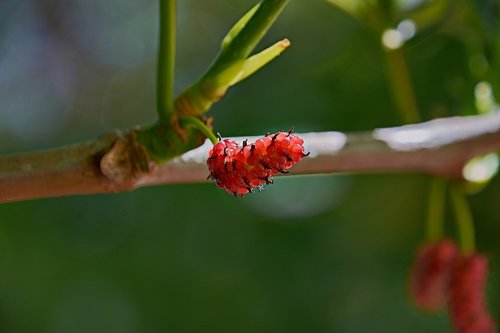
x=113, y=163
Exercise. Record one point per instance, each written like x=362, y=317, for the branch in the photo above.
x=114, y=162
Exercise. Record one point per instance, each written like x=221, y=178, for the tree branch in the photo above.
x=113, y=163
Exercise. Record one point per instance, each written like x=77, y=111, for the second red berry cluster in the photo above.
x=443, y=277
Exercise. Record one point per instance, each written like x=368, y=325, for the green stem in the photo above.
x=435, y=213
x=401, y=85
x=247, y=39
x=166, y=60
x=464, y=220
x=231, y=60
x=199, y=125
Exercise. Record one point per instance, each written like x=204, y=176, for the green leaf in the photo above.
x=257, y=61
x=235, y=30
x=247, y=36
x=231, y=64
x=216, y=86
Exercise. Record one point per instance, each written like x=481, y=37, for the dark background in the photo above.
x=309, y=254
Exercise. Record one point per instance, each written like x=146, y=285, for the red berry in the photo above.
x=466, y=304
x=430, y=274
x=239, y=170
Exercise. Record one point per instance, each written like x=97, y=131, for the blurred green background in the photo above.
x=309, y=254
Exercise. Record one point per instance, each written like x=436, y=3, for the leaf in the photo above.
x=257, y=61
x=235, y=30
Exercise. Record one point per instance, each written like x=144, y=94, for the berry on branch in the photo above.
x=241, y=169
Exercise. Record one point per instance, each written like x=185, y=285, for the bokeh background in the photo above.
x=310, y=254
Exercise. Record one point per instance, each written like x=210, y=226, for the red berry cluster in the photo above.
x=241, y=169
x=443, y=277
x=466, y=303
x=430, y=275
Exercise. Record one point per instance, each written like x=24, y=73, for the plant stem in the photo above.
x=435, y=213
x=77, y=169
x=199, y=125
x=166, y=60
x=400, y=81
x=232, y=59
x=464, y=220
x=248, y=38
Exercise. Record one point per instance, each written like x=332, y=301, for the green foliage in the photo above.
x=236, y=29
x=231, y=64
